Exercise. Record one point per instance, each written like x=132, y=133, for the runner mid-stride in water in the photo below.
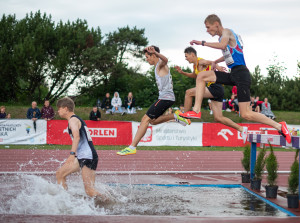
x=82, y=155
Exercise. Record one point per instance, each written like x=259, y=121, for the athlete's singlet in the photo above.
x=208, y=67
x=234, y=55
x=85, y=149
x=165, y=86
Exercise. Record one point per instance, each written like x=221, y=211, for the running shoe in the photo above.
x=126, y=151
x=244, y=134
x=191, y=114
x=180, y=120
x=285, y=132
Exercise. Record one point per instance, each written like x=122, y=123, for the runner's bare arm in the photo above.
x=164, y=60
x=191, y=75
x=203, y=62
x=221, y=59
x=216, y=45
x=75, y=125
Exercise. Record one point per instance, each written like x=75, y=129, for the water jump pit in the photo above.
x=26, y=194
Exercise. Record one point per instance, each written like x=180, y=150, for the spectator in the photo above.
x=258, y=103
x=3, y=113
x=169, y=111
x=116, y=103
x=233, y=104
x=234, y=91
x=253, y=105
x=33, y=113
x=129, y=103
x=95, y=114
x=266, y=109
x=181, y=108
x=47, y=111
x=106, y=102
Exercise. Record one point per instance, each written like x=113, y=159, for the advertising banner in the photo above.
x=102, y=132
x=170, y=134
x=215, y=134
x=23, y=131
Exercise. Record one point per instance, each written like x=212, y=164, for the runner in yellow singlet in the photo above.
x=213, y=91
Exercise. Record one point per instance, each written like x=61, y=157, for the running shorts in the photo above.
x=240, y=77
x=158, y=108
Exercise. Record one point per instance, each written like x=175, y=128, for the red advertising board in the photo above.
x=215, y=134
x=102, y=132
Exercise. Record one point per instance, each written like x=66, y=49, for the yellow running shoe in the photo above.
x=126, y=151
x=180, y=120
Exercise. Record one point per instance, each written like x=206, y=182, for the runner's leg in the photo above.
x=141, y=130
x=188, y=99
x=202, y=78
x=218, y=116
x=66, y=170
x=249, y=115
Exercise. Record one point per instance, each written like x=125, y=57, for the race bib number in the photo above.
x=240, y=40
x=227, y=56
x=88, y=133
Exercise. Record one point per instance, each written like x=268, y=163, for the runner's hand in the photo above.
x=150, y=49
x=213, y=65
x=196, y=42
x=178, y=69
x=220, y=68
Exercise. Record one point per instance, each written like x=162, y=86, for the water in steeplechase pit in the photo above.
x=36, y=195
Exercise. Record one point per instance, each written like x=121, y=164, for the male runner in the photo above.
x=165, y=100
x=213, y=91
x=232, y=48
x=82, y=155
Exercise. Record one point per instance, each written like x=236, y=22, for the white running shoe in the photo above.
x=211, y=112
x=244, y=134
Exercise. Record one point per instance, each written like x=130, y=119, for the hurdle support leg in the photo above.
x=252, y=159
x=299, y=179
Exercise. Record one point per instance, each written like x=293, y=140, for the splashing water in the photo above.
x=31, y=194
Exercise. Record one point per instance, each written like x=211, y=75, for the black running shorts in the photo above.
x=158, y=108
x=217, y=90
x=91, y=164
x=239, y=77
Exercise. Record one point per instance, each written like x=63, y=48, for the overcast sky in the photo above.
x=268, y=27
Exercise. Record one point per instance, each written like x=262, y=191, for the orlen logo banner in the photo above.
x=216, y=134
x=102, y=132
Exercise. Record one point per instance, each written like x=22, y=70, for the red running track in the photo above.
x=12, y=160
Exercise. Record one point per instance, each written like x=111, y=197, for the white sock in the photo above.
x=132, y=147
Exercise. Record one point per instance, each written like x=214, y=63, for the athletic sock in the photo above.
x=132, y=147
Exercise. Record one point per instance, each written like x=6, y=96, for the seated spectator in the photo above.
x=254, y=106
x=233, y=104
x=116, y=103
x=47, y=111
x=3, y=113
x=106, y=102
x=33, y=113
x=129, y=103
x=266, y=109
x=181, y=108
x=169, y=111
x=258, y=103
x=234, y=91
x=95, y=114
